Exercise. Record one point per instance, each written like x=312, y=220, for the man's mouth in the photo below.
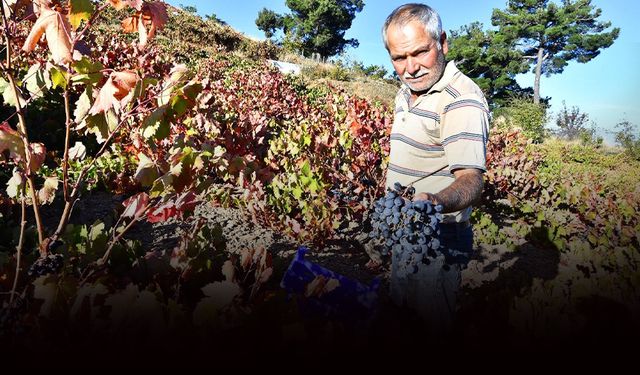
x=414, y=78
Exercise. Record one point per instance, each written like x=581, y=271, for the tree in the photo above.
x=489, y=60
x=375, y=71
x=213, y=17
x=189, y=8
x=571, y=122
x=314, y=26
x=551, y=35
x=269, y=22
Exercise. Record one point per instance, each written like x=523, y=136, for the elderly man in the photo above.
x=438, y=146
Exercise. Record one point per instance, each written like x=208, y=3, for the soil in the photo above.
x=345, y=254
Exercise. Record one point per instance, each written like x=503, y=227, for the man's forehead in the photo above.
x=409, y=30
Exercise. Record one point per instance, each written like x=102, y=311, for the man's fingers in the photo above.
x=422, y=197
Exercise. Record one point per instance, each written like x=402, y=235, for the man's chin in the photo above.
x=417, y=88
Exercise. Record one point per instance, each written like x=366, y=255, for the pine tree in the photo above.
x=489, y=60
x=551, y=35
x=314, y=26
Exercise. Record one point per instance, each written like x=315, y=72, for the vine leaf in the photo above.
x=78, y=151
x=146, y=172
x=9, y=95
x=162, y=213
x=115, y=91
x=38, y=81
x=152, y=17
x=81, y=10
x=185, y=202
x=56, y=29
x=10, y=140
x=48, y=191
x=121, y=4
x=38, y=154
x=83, y=105
x=14, y=184
x=135, y=205
x=228, y=270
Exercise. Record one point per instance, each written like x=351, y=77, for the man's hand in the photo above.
x=425, y=197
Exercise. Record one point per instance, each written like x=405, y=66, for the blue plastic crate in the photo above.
x=351, y=301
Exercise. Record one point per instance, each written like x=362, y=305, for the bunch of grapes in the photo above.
x=52, y=263
x=409, y=229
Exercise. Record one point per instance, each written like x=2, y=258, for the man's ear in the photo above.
x=444, y=43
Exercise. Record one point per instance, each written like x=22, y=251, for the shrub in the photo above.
x=572, y=124
x=318, y=70
x=628, y=138
x=522, y=113
x=259, y=49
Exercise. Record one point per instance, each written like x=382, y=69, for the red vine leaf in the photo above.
x=186, y=201
x=265, y=275
x=136, y=205
x=38, y=154
x=246, y=258
x=10, y=140
x=162, y=213
x=152, y=17
x=155, y=15
x=115, y=91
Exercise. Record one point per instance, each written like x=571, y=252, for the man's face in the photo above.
x=415, y=55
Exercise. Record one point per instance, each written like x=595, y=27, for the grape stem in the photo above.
x=428, y=175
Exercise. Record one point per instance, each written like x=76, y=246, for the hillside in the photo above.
x=190, y=39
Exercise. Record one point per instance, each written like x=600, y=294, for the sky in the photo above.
x=603, y=88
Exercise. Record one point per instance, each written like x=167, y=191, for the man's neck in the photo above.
x=415, y=95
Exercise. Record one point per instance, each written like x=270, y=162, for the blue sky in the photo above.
x=603, y=88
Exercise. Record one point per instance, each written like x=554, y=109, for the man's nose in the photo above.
x=413, y=66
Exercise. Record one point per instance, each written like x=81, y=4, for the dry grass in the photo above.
x=321, y=73
x=373, y=90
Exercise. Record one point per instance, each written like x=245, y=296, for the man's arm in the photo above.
x=462, y=193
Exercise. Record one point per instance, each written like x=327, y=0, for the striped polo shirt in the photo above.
x=446, y=127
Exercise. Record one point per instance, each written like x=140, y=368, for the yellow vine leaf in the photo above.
x=56, y=29
x=81, y=10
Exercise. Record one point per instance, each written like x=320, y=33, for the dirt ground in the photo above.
x=344, y=254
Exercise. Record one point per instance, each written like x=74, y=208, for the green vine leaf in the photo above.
x=146, y=173
x=80, y=10
x=37, y=81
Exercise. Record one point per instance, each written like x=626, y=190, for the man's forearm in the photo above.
x=462, y=193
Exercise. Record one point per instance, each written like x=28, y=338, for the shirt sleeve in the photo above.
x=465, y=132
